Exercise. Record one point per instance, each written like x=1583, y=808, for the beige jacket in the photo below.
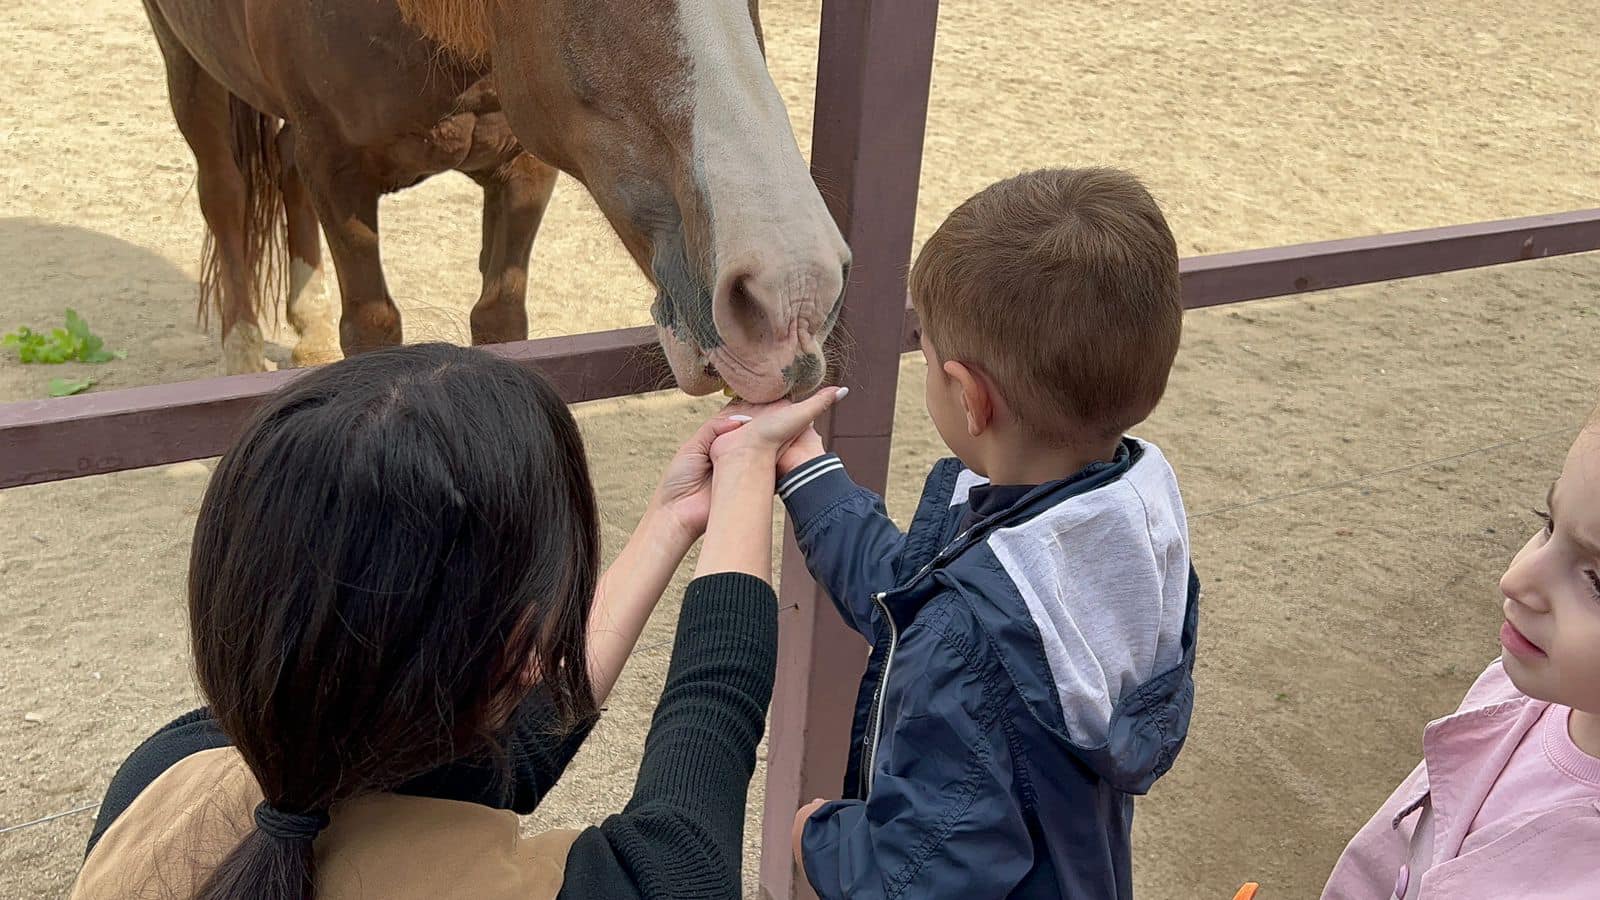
x=380, y=846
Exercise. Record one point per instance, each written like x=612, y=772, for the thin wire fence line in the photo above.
x=50, y=818
x=1371, y=476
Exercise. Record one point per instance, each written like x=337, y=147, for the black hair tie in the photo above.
x=290, y=826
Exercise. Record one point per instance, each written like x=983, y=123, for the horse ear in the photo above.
x=462, y=26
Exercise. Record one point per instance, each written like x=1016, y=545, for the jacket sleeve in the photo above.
x=682, y=833
x=942, y=818
x=850, y=543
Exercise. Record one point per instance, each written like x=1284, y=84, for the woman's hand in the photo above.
x=744, y=463
x=782, y=429
x=630, y=589
x=683, y=495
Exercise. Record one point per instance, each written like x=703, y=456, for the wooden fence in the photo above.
x=875, y=59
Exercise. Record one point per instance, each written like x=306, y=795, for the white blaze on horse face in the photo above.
x=778, y=256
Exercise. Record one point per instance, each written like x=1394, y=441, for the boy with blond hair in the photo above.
x=1033, y=632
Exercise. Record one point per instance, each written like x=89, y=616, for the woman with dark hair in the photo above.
x=402, y=638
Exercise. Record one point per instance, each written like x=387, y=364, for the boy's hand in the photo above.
x=800, y=819
x=806, y=447
x=775, y=427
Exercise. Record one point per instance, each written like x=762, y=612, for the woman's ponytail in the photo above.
x=275, y=860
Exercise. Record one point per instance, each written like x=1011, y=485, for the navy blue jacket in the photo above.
x=1028, y=677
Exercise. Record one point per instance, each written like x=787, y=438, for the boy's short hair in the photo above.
x=1062, y=286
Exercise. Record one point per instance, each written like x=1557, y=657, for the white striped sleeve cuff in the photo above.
x=806, y=473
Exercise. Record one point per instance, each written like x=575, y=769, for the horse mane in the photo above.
x=460, y=25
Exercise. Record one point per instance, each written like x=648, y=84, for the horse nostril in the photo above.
x=741, y=301
x=749, y=320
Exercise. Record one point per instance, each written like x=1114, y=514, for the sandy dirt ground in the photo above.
x=1358, y=465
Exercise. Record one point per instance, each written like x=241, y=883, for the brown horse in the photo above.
x=304, y=112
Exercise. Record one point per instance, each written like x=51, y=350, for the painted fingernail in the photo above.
x=740, y=419
x=843, y=392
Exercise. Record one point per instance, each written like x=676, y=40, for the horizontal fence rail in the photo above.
x=92, y=434
x=1302, y=268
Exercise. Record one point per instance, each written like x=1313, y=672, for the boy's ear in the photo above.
x=977, y=398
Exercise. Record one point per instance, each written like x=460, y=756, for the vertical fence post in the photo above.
x=874, y=62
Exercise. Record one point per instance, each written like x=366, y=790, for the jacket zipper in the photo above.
x=869, y=741
x=869, y=745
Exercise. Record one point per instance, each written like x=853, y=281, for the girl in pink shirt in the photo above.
x=1506, y=800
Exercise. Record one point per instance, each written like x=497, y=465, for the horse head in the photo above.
x=665, y=111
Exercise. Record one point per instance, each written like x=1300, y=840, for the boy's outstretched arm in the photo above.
x=849, y=541
x=941, y=820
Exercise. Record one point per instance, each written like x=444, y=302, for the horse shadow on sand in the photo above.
x=134, y=298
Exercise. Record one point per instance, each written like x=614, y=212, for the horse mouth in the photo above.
x=699, y=372
x=691, y=366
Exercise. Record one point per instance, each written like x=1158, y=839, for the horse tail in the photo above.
x=253, y=138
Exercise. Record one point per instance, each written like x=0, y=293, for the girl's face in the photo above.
x=1552, y=591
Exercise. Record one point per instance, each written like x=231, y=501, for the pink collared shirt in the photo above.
x=1547, y=769
x=1491, y=812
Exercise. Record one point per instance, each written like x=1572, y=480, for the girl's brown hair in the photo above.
x=396, y=547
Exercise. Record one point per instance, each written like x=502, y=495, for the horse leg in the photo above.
x=205, y=114
x=515, y=197
x=345, y=194
x=310, y=304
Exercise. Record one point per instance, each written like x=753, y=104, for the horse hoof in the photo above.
x=304, y=357
x=244, y=367
x=243, y=351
